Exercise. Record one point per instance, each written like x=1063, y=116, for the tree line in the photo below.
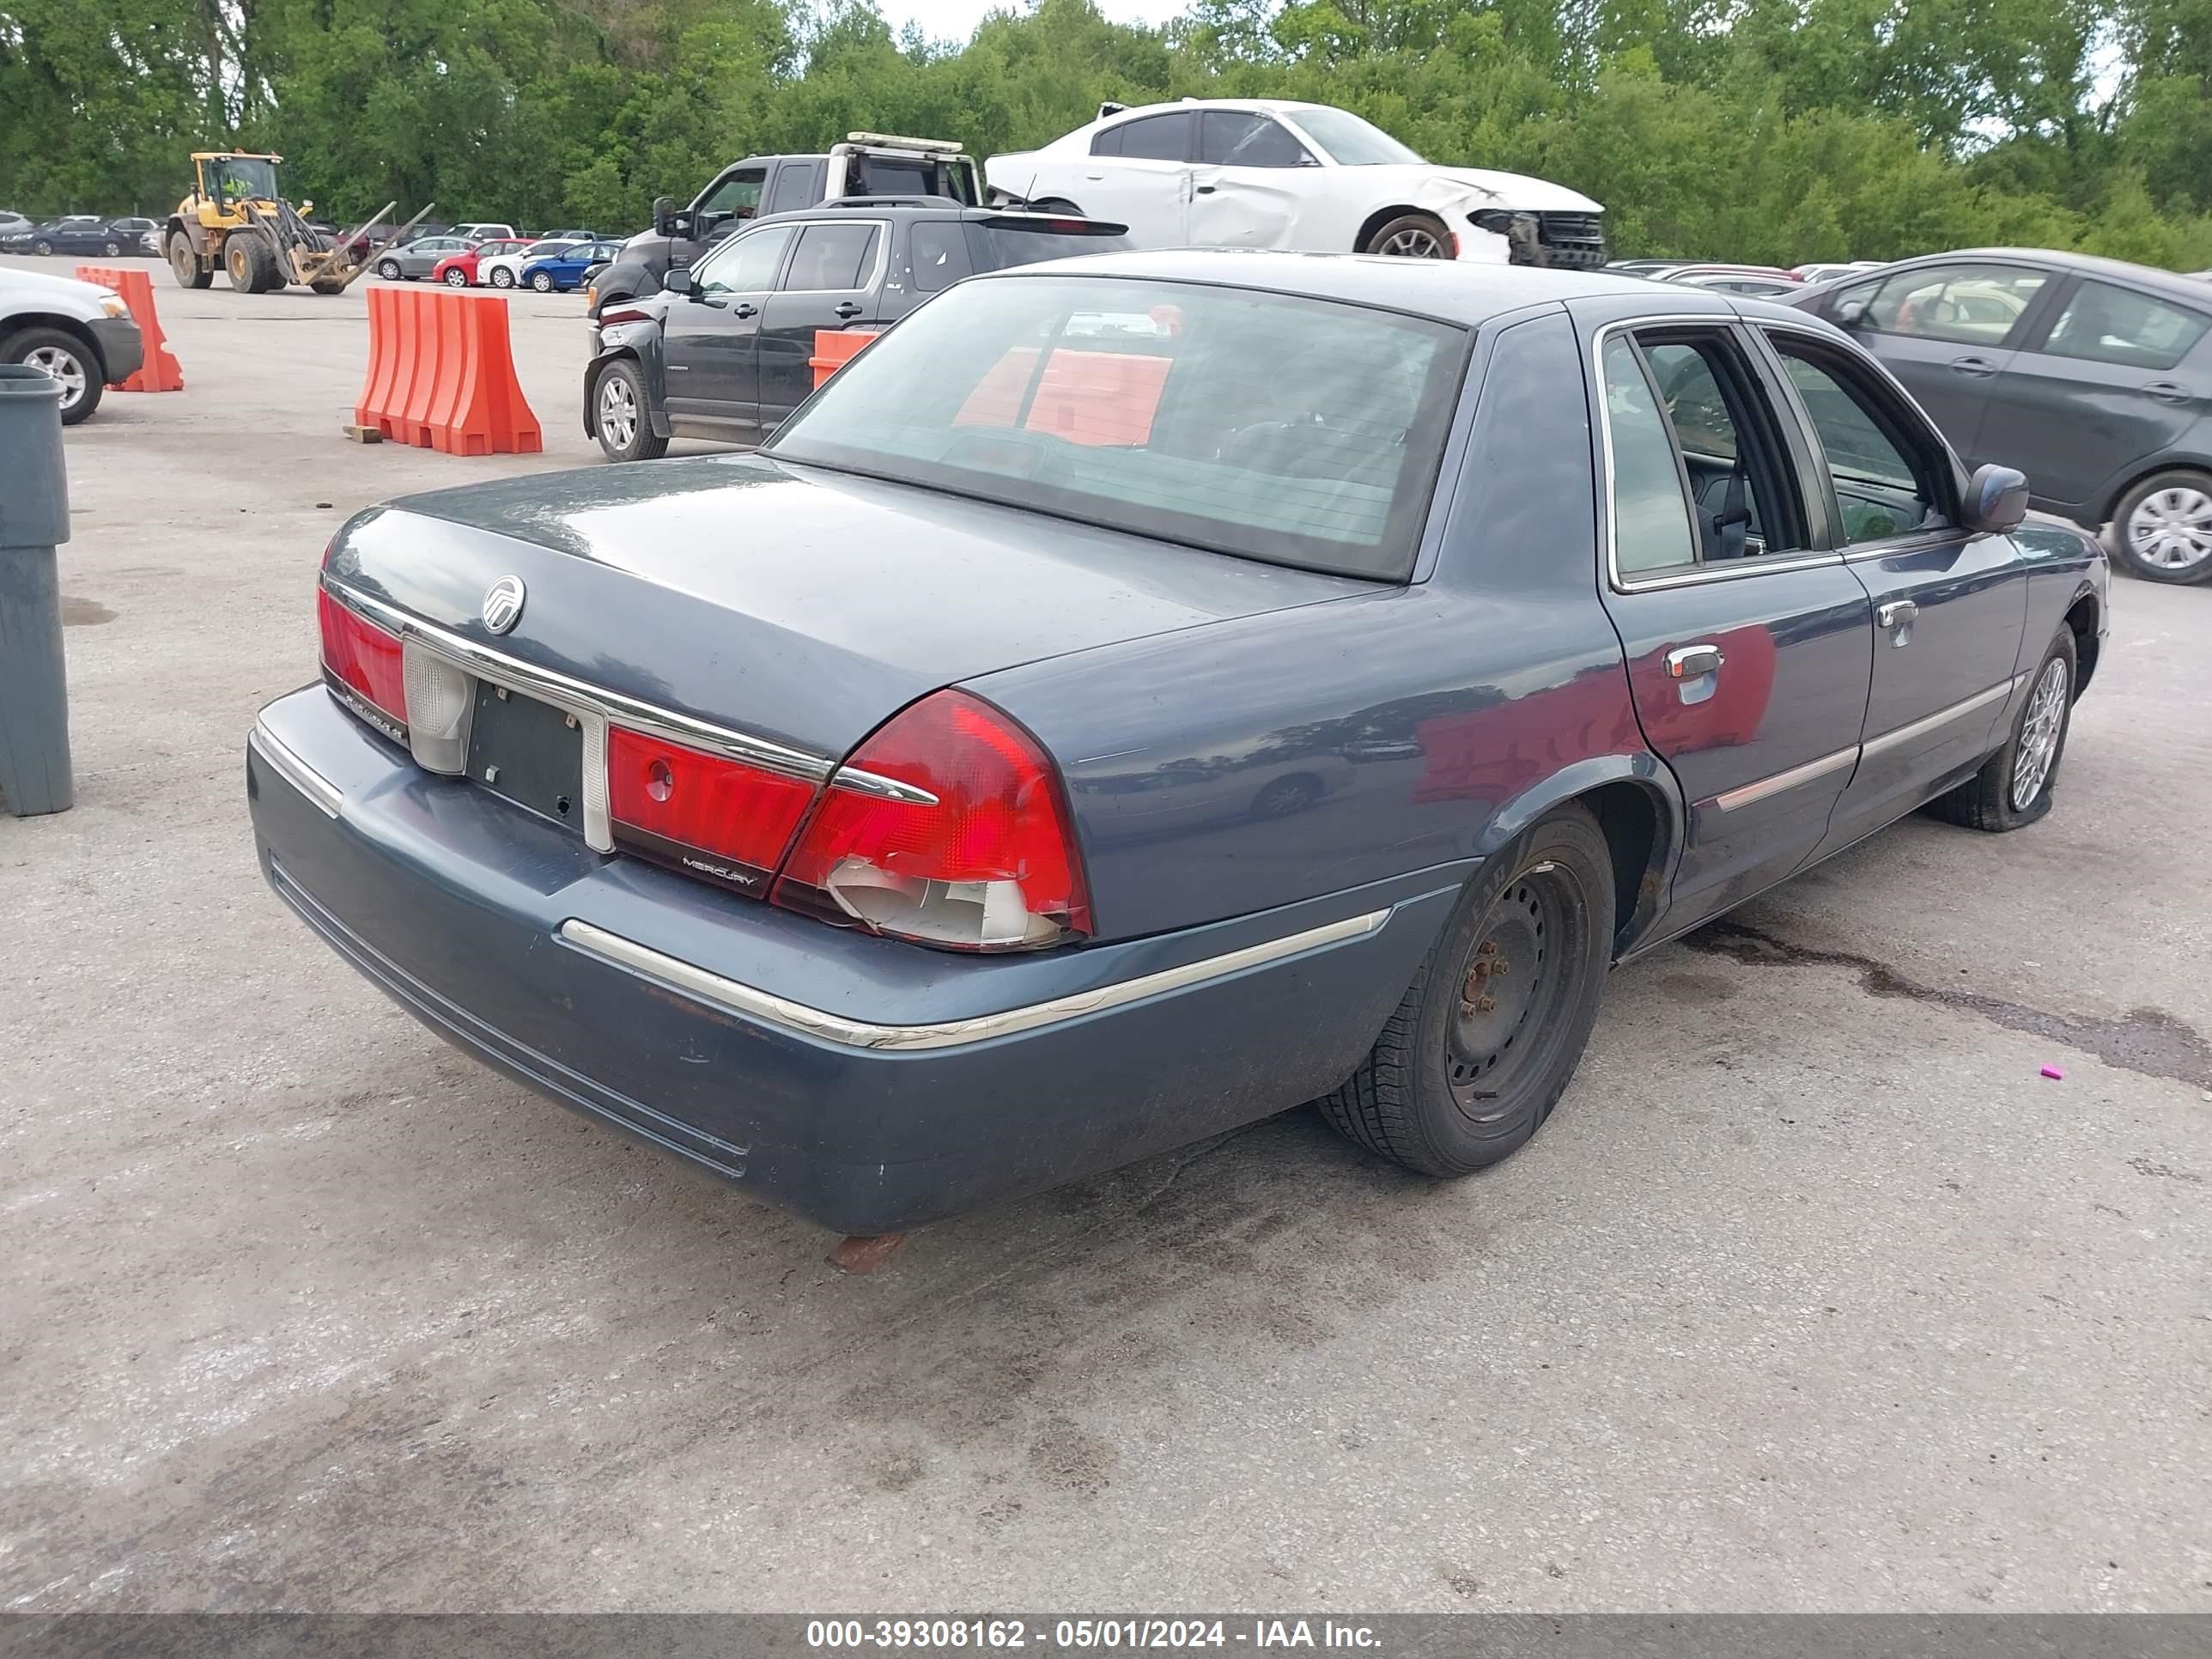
x=1768, y=130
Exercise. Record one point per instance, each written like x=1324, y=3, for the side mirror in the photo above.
x=664, y=216
x=1996, y=499
x=679, y=281
x=1851, y=313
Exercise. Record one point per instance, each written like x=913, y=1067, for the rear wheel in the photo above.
x=66, y=358
x=621, y=415
x=2013, y=787
x=185, y=264
x=1412, y=236
x=2164, y=528
x=1491, y=1029
x=1056, y=204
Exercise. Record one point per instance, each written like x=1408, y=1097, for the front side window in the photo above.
x=746, y=265
x=739, y=194
x=1885, y=481
x=1282, y=429
x=1242, y=138
x=829, y=257
x=2103, y=323
x=1961, y=304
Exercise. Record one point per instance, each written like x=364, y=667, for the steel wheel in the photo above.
x=1509, y=991
x=1413, y=243
x=2039, y=733
x=2172, y=528
x=618, y=411
x=65, y=367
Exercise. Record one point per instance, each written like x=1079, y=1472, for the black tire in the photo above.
x=57, y=350
x=502, y=276
x=455, y=277
x=390, y=270
x=112, y=250
x=2181, y=495
x=250, y=265
x=1055, y=205
x=1990, y=799
x=619, y=400
x=543, y=281
x=1412, y=233
x=185, y=264
x=44, y=250
x=1445, y=1093
x=329, y=285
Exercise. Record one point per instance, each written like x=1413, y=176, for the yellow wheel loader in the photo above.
x=237, y=220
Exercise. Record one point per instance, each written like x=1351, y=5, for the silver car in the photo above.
x=414, y=260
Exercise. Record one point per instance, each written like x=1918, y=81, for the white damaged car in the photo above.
x=1258, y=172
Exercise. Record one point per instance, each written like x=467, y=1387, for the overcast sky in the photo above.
x=956, y=19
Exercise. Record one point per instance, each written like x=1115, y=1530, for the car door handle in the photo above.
x=1208, y=190
x=1979, y=368
x=741, y=309
x=2168, y=393
x=1693, y=662
x=1897, y=617
x=848, y=310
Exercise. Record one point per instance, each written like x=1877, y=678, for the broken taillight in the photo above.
x=703, y=813
x=976, y=852
x=367, y=660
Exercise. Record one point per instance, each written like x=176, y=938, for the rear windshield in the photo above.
x=1000, y=243
x=1298, y=431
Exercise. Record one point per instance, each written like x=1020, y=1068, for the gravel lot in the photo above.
x=1814, y=1294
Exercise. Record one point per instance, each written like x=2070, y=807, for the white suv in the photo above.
x=1258, y=172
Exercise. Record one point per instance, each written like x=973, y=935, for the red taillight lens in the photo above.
x=990, y=865
x=704, y=813
x=363, y=658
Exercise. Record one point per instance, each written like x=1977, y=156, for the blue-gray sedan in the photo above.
x=1143, y=693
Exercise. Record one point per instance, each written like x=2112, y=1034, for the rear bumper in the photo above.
x=866, y=1084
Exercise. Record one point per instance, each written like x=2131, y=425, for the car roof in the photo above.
x=2088, y=264
x=1448, y=289
x=911, y=207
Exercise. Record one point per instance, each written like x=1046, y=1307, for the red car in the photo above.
x=460, y=269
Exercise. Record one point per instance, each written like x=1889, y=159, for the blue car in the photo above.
x=566, y=270
x=1141, y=693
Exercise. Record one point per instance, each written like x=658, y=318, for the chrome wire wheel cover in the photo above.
x=1414, y=243
x=617, y=411
x=65, y=367
x=2172, y=528
x=2039, y=734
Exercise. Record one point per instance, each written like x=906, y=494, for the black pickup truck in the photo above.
x=867, y=164
x=726, y=350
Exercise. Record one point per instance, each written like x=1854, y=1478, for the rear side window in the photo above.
x=1155, y=137
x=2103, y=323
x=939, y=253
x=831, y=257
x=1650, y=508
x=798, y=184
x=1962, y=304
x=999, y=245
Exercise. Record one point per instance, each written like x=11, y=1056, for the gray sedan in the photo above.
x=2093, y=376
x=414, y=260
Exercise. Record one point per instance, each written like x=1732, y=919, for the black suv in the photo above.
x=726, y=350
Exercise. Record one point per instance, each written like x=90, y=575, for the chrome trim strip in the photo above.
x=1781, y=780
x=579, y=698
x=756, y=1004
x=884, y=788
x=326, y=796
x=1959, y=710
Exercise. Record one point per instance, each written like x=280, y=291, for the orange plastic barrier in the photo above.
x=834, y=349
x=1096, y=397
x=441, y=374
x=161, y=372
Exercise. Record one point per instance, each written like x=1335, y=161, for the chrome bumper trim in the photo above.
x=1958, y=710
x=326, y=796
x=728, y=994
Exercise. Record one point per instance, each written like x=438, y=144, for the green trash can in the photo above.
x=34, y=756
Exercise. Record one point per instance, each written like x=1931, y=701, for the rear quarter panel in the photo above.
x=1435, y=718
